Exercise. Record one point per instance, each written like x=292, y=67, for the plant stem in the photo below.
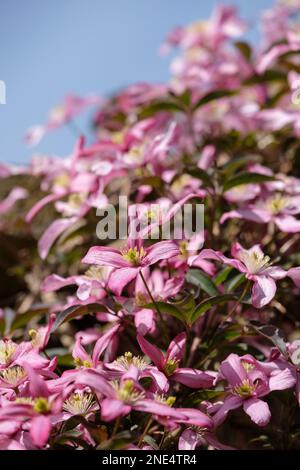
x=164, y=327
x=148, y=424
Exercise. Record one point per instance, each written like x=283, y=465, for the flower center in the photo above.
x=245, y=389
x=127, y=392
x=7, y=348
x=40, y=405
x=79, y=403
x=164, y=399
x=247, y=366
x=170, y=366
x=134, y=255
x=80, y=363
x=277, y=204
x=13, y=375
x=128, y=359
x=254, y=261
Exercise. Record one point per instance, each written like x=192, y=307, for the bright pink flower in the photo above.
x=279, y=209
x=130, y=261
x=169, y=364
x=248, y=381
x=257, y=268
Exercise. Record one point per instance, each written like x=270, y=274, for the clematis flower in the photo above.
x=277, y=208
x=83, y=359
x=127, y=394
x=130, y=261
x=248, y=381
x=169, y=364
x=257, y=268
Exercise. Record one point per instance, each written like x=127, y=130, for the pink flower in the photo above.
x=169, y=364
x=248, y=381
x=257, y=268
x=129, y=262
x=279, y=209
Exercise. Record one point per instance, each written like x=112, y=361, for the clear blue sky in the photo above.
x=51, y=47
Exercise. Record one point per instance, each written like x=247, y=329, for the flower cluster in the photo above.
x=160, y=342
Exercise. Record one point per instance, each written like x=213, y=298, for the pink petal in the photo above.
x=282, y=379
x=231, y=403
x=193, y=378
x=14, y=195
x=194, y=417
x=233, y=370
x=161, y=250
x=41, y=204
x=55, y=282
x=111, y=409
x=144, y=321
x=294, y=274
x=52, y=233
x=121, y=277
x=188, y=440
x=177, y=347
x=105, y=256
x=151, y=351
x=258, y=411
x=263, y=291
x=103, y=342
x=40, y=430
x=287, y=223
x=254, y=215
x=37, y=386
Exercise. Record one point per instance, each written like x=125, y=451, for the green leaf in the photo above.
x=159, y=106
x=24, y=318
x=239, y=162
x=199, y=279
x=118, y=442
x=76, y=311
x=246, y=178
x=235, y=282
x=203, y=395
x=213, y=95
x=267, y=76
x=208, y=303
x=222, y=275
x=201, y=175
x=166, y=308
x=244, y=49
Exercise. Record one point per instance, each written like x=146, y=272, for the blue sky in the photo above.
x=51, y=47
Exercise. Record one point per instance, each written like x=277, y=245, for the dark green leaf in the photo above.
x=244, y=49
x=198, y=278
x=235, y=282
x=267, y=76
x=208, y=303
x=213, y=95
x=222, y=275
x=246, y=178
x=76, y=311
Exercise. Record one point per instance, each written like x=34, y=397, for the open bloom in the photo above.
x=130, y=261
x=278, y=208
x=169, y=364
x=248, y=381
x=257, y=268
